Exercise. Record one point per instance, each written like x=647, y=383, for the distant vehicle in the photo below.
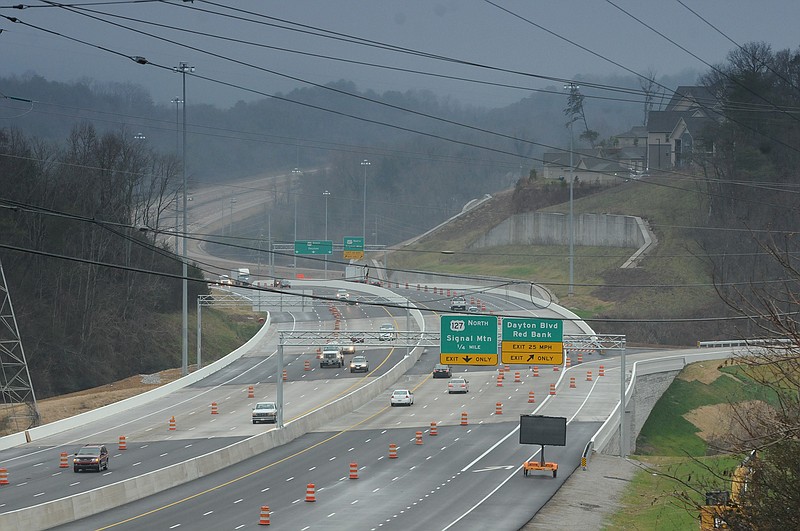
x=225, y=280
x=348, y=349
x=265, y=412
x=441, y=371
x=355, y=273
x=357, y=338
x=387, y=332
x=240, y=276
x=331, y=357
x=458, y=385
x=401, y=397
x=359, y=364
x=458, y=304
x=473, y=309
x=281, y=283
x=91, y=457
x=342, y=295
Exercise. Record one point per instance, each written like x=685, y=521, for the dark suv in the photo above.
x=91, y=457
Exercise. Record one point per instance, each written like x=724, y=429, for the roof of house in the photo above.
x=686, y=98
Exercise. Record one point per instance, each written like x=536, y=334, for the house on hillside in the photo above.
x=668, y=141
x=675, y=133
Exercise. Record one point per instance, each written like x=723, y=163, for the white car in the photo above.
x=401, y=397
x=457, y=385
x=342, y=295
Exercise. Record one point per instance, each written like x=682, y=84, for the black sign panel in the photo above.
x=538, y=429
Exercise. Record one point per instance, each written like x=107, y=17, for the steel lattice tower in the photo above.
x=16, y=389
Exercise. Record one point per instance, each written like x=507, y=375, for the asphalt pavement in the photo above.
x=588, y=498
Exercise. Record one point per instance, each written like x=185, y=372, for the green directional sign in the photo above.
x=468, y=340
x=353, y=247
x=532, y=341
x=313, y=247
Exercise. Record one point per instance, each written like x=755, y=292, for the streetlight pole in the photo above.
x=570, y=290
x=296, y=172
x=365, y=163
x=182, y=68
x=325, y=194
x=177, y=101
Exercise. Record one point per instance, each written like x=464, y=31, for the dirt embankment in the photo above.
x=61, y=407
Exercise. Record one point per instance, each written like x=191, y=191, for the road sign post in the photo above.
x=532, y=341
x=468, y=340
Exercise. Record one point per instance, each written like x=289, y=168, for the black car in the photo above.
x=441, y=371
x=91, y=457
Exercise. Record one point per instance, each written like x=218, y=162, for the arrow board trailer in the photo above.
x=542, y=430
x=468, y=340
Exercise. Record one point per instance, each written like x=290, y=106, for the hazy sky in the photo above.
x=550, y=38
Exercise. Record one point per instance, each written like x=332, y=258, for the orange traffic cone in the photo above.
x=64, y=462
x=392, y=451
x=531, y=398
x=434, y=429
x=251, y=392
x=123, y=443
x=463, y=418
x=172, y=423
x=498, y=408
x=353, y=470
x=311, y=495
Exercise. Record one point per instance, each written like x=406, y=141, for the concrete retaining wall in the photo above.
x=552, y=228
x=648, y=381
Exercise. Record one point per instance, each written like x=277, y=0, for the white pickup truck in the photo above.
x=331, y=357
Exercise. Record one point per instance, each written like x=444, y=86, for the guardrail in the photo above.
x=742, y=343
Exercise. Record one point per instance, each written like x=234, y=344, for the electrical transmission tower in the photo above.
x=16, y=389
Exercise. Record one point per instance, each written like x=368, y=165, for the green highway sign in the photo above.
x=353, y=247
x=532, y=341
x=313, y=247
x=468, y=340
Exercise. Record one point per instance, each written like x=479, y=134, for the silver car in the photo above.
x=359, y=364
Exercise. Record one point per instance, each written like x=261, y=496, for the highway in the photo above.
x=468, y=474
x=152, y=445
x=465, y=475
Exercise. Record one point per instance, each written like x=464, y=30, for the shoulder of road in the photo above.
x=589, y=497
